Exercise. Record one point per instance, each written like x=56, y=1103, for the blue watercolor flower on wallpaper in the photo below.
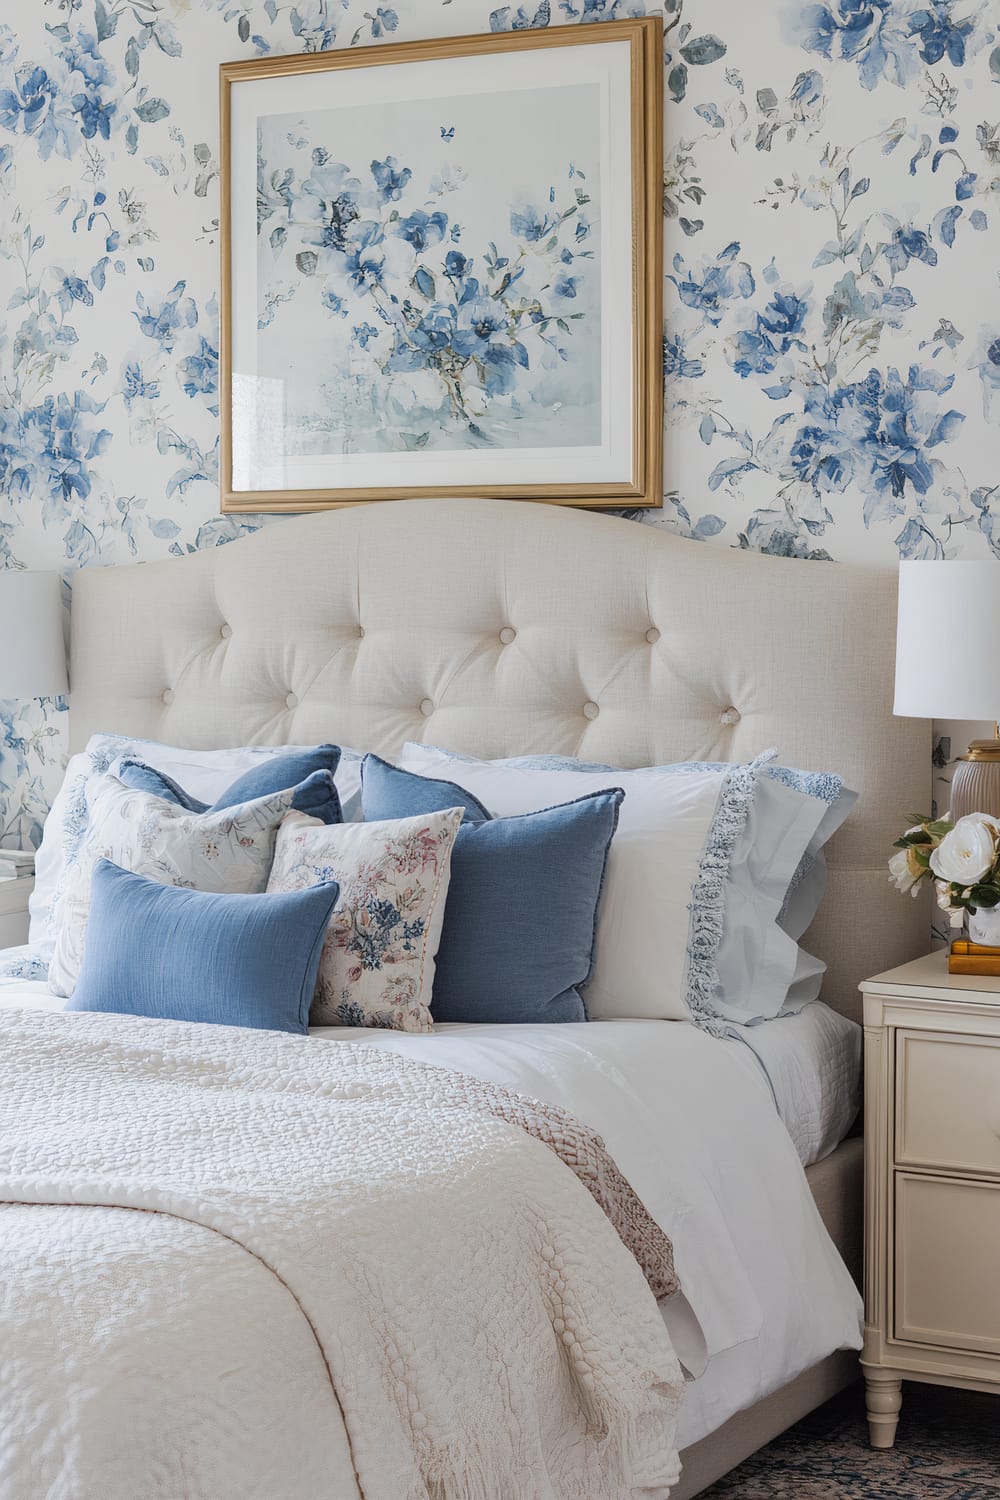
x=891, y=40
x=877, y=433
x=30, y=752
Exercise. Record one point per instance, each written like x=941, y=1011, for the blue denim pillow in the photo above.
x=521, y=914
x=394, y=793
x=182, y=955
x=300, y=769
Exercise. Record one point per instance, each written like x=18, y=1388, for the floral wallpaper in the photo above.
x=832, y=339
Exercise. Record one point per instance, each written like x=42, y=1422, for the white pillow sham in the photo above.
x=377, y=966
x=660, y=918
x=206, y=774
x=226, y=852
x=774, y=883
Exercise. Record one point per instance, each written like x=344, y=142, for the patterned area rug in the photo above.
x=947, y=1448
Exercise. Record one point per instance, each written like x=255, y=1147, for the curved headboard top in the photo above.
x=503, y=628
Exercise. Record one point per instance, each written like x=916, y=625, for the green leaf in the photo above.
x=985, y=895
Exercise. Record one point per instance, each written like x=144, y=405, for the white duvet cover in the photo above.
x=812, y=1062
x=691, y=1122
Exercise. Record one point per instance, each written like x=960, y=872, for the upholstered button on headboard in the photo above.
x=499, y=628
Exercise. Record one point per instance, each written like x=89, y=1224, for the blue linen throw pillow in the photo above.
x=521, y=914
x=182, y=955
x=300, y=768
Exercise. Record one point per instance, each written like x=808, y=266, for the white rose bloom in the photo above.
x=903, y=871
x=956, y=914
x=968, y=852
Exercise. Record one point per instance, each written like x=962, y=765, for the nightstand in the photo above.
x=14, y=893
x=932, y=1184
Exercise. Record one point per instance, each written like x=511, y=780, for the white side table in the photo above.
x=14, y=893
x=932, y=1184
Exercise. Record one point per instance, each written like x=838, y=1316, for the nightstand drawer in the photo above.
x=14, y=897
x=947, y=1288
x=948, y=1101
x=13, y=929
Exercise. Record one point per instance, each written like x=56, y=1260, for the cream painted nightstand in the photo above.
x=14, y=893
x=932, y=1184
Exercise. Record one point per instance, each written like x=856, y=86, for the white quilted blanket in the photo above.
x=319, y=1247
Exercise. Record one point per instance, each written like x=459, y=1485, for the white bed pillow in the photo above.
x=204, y=773
x=774, y=883
x=377, y=966
x=226, y=852
x=661, y=912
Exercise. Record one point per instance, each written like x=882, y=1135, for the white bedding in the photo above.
x=812, y=1061
x=691, y=1122
x=483, y=1331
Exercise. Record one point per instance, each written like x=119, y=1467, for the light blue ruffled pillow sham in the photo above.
x=775, y=881
x=183, y=955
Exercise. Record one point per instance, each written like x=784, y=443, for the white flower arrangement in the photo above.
x=962, y=859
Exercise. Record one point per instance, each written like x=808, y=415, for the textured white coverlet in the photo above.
x=691, y=1122
x=504, y=1345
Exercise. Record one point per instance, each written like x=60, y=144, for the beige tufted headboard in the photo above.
x=502, y=628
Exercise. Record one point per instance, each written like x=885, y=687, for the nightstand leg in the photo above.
x=884, y=1397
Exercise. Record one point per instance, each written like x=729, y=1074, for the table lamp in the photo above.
x=948, y=664
x=32, y=657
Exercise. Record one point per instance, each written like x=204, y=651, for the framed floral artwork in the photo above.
x=442, y=271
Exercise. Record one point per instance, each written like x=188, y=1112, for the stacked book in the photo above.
x=973, y=958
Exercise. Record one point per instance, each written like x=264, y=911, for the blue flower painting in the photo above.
x=428, y=287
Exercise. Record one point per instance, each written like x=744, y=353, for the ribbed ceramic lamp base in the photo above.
x=975, y=788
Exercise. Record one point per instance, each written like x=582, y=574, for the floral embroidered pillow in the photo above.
x=377, y=967
x=226, y=852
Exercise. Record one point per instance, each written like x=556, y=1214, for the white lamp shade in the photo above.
x=948, y=640
x=32, y=648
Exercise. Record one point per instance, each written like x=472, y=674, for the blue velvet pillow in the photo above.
x=182, y=955
x=521, y=913
x=300, y=769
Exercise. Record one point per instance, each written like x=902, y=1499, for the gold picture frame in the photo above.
x=271, y=443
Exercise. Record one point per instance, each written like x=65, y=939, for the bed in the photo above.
x=494, y=629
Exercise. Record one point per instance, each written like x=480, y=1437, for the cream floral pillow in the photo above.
x=228, y=852
x=377, y=967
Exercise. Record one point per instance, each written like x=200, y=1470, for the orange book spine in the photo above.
x=964, y=946
x=974, y=963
